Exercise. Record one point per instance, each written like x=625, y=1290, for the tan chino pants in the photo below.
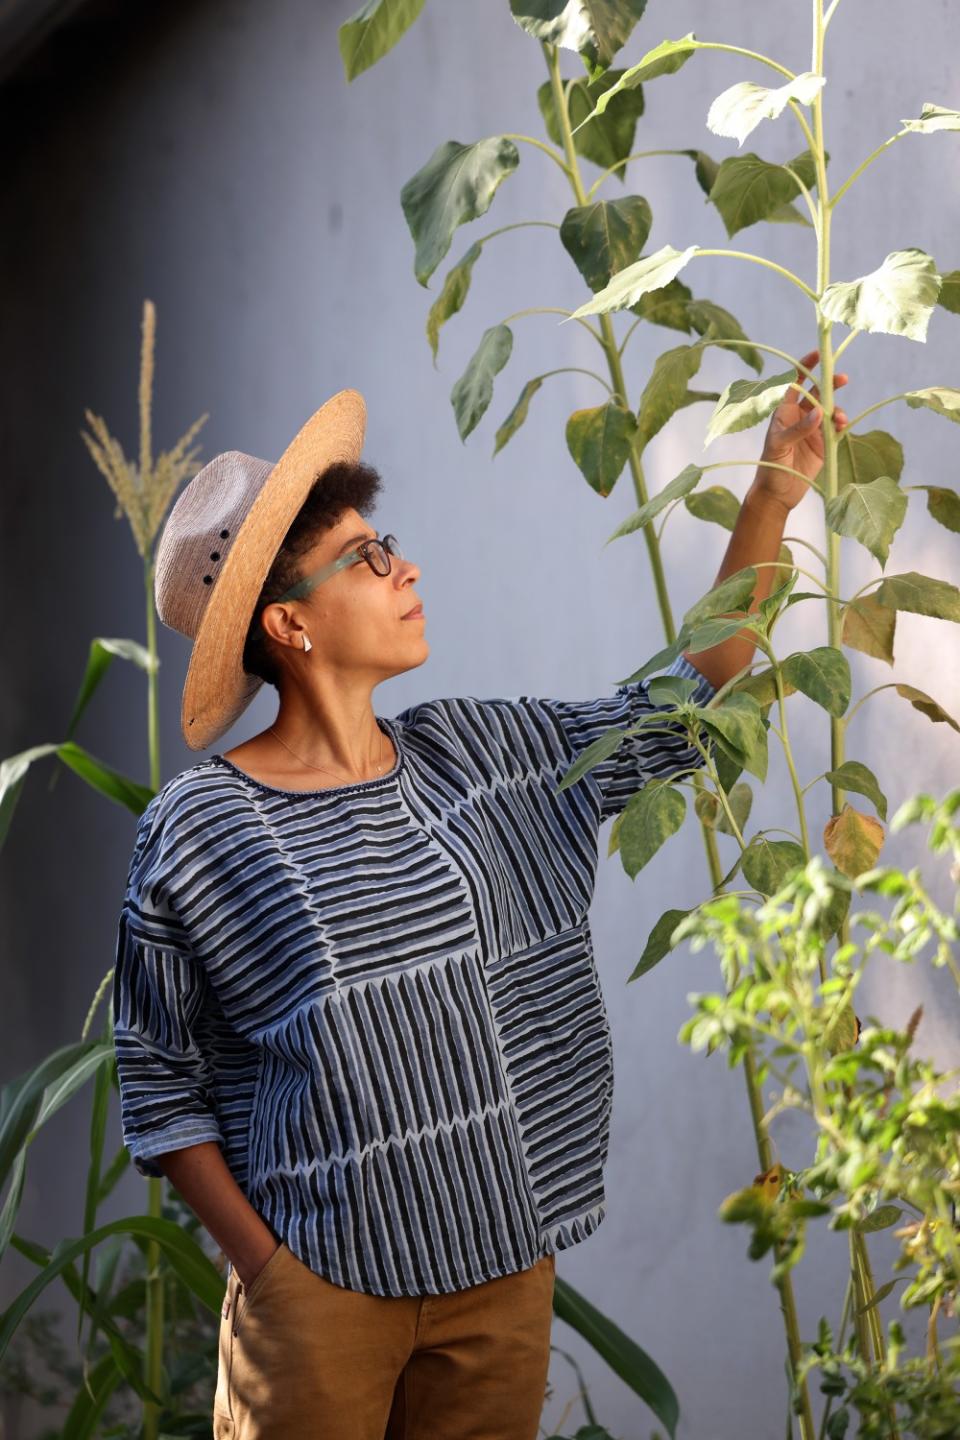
x=302, y=1357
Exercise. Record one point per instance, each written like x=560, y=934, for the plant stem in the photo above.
x=784, y=1284
x=761, y=260
x=638, y=155
x=547, y=149
x=154, y=1297
x=863, y=1280
x=794, y=779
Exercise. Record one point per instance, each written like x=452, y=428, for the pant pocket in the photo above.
x=222, y=1412
x=244, y=1298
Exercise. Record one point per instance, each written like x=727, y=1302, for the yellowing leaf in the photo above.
x=870, y=627
x=853, y=841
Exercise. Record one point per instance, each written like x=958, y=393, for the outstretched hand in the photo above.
x=795, y=438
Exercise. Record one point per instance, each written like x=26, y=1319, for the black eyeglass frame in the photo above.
x=352, y=557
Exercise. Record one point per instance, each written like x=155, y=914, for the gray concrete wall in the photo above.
x=213, y=158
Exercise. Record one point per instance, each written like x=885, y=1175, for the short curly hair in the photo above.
x=344, y=485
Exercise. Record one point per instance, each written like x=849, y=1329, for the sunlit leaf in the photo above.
x=933, y=117
x=596, y=29
x=744, y=403
x=626, y=287
x=664, y=59
x=942, y=399
x=738, y=110
x=896, y=299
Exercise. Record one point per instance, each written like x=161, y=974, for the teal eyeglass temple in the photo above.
x=386, y=547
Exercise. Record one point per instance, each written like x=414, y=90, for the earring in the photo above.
x=306, y=641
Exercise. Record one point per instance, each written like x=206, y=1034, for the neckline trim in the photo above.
x=393, y=731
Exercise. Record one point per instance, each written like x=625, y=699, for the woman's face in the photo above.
x=354, y=618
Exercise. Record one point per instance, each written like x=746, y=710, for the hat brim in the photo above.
x=217, y=689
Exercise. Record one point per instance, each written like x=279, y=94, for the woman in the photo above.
x=357, y=1018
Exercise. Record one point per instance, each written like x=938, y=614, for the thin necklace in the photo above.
x=311, y=766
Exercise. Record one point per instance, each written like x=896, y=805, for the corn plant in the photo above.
x=172, y=1255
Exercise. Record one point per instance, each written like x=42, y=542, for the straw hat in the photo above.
x=217, y=546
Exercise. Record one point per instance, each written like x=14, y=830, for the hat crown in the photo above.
x=199, y=534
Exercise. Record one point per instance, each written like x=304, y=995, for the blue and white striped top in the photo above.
x=381, y=999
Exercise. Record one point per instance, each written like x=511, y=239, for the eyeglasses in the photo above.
x=376, y=553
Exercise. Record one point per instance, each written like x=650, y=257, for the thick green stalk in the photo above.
x=784, y=1285
x=862, y=1277
x=611, y=349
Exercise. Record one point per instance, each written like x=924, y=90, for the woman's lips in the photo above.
x=415, y=614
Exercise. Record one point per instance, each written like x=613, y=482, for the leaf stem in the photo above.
x=760, y=260
x=547, y=149
x=553, y=310
x=638, y=155
x=874, y=154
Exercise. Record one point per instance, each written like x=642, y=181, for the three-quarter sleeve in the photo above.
x=655, y=751
x=158, y=995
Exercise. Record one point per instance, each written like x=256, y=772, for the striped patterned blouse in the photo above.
x=381, y=999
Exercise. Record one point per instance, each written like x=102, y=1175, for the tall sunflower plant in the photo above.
x=777, y=907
